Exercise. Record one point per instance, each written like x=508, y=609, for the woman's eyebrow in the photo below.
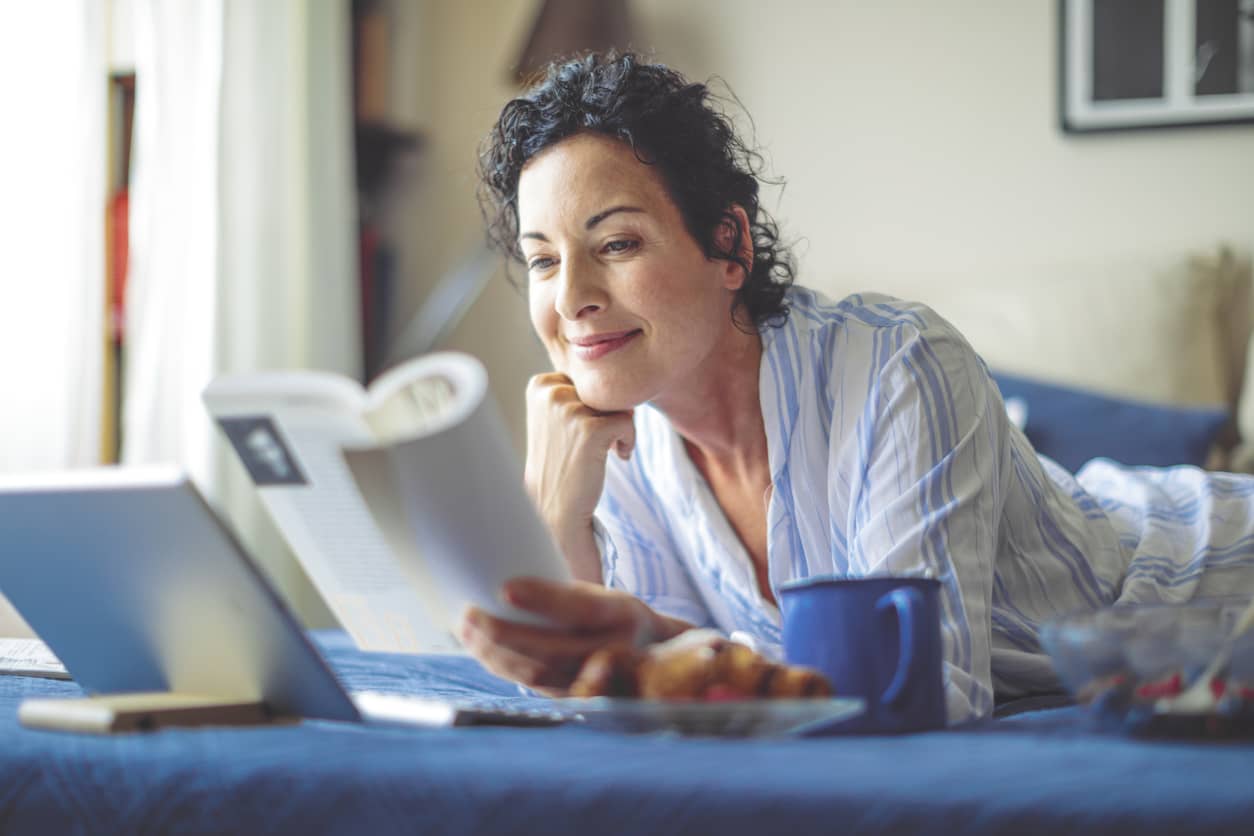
x=588, y=224
x=600, y=216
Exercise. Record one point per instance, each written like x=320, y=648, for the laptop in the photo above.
x=135, y=584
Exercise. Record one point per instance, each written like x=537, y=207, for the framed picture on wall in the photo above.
x=1155, y=63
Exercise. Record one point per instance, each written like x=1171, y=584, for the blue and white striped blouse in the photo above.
x=891, y=454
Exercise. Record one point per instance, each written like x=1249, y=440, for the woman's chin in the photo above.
x=607, y=398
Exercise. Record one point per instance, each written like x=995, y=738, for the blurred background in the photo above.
x=205, y=186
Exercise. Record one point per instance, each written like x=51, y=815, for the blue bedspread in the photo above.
x=1036, y=772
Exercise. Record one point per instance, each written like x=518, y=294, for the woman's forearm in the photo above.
x=579, y=546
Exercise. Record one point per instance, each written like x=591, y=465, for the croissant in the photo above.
x=698, y=665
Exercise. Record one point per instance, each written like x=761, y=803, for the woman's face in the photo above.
x=624, y=299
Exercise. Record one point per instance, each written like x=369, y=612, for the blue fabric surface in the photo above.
x=1036, y=772
x=1073, y=426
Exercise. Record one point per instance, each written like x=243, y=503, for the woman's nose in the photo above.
x=580, y=292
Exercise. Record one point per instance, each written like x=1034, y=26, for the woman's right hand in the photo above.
x=583, y=618
x=567, y=442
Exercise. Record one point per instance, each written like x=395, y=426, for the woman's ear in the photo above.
x=735, y=219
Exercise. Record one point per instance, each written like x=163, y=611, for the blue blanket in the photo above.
x=1042, y=771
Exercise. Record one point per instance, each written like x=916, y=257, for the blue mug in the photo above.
x=874, y=638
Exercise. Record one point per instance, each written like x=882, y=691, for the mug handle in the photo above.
x=905, y=602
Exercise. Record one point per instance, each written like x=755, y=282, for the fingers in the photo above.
x=626, y=440
x=535, y=656
x=567, y=446
x=549, y=379
x=558, y=388
x=555, y=410
x=579, y=605
x=560, y=391
x=511, y=665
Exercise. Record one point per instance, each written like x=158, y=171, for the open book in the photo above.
x=30, y=657
x=403, y=502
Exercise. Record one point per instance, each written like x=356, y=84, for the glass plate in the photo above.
x=733, y=718
x=1127, y=661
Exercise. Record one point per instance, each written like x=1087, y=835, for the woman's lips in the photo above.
x=596, y=347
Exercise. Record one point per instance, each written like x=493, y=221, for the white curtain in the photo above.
x=172, y=317
x=242, y=229
x=288, y=210
x=53, y=86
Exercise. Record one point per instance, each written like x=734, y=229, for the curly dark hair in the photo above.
x=668, y=122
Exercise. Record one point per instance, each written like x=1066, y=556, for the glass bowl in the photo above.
x=1127, y=662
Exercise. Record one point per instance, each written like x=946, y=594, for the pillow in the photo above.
x=1072, y=426
x=1162, y=330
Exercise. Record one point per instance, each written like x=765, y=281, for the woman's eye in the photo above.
x=621, y=245
x=540, y=263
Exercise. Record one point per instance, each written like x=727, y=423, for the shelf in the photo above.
x=378, y=146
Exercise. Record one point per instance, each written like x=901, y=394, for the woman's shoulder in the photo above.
x=867, y=348
x=866, y=317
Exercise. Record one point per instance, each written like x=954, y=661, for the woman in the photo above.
x=762, y=433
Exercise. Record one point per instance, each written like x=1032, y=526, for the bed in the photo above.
x=1040, y=767
x=1036, y=769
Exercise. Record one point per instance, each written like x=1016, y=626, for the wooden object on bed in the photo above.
x=115, y=713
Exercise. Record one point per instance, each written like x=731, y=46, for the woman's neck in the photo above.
x=718, y=412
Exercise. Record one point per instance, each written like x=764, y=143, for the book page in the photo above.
x=293, y=387
x=425, y=396
x=30, y=657
x=291, y=449
x=456, y=491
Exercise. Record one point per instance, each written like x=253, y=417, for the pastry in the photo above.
x=697, y=665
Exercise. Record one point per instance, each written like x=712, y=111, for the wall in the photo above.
x=914, y=136
x=466, y=51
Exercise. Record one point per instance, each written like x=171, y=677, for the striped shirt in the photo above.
x=891, y=454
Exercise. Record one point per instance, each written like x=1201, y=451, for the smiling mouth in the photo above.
x=595, y=348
